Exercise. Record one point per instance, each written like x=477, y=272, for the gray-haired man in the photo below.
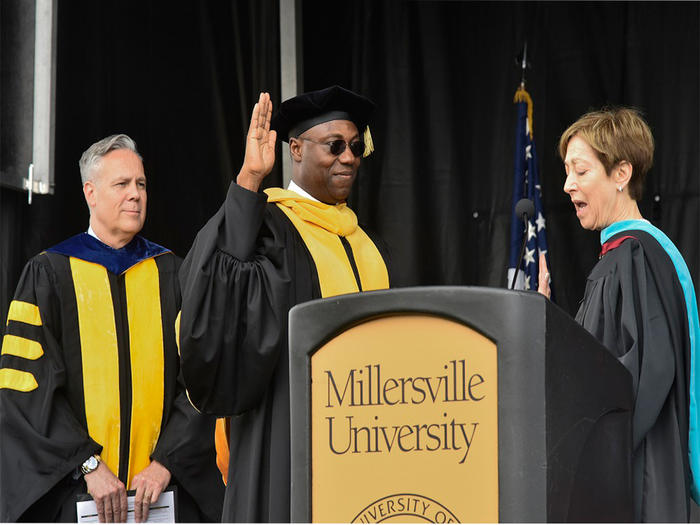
x=89, y=395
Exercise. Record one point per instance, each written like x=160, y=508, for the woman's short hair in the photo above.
x=616, y=134
x=92, y=156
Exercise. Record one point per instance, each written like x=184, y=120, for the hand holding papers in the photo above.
x=162, y=511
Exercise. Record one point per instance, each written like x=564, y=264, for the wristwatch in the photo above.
x=90, y=464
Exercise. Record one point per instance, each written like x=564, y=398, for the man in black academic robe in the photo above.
x=260, y=255
x=90, y=399
x=639, y=303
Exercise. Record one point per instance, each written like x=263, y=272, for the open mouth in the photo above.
x=579, y=205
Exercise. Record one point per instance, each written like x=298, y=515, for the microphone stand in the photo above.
x=522, y=251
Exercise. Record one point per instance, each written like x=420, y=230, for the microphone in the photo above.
x=524, y=209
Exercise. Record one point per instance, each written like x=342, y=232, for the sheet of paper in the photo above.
x=162, y=511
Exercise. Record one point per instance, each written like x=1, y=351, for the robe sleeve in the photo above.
x=235, y=299
x=185, y=445
x=624, y=310
x=186, y=449
x=41, y=438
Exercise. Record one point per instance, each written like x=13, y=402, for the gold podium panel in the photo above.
x=404, y=423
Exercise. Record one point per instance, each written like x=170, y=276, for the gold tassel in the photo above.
x=523, y=96
x=369, y=145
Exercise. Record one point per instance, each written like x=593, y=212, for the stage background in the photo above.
x=181, y=79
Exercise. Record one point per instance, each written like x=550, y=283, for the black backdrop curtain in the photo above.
x=443, y=74
x=181, y=79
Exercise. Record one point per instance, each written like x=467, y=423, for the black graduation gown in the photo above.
x=247, y=267
x=44, y=409
x=634, y=305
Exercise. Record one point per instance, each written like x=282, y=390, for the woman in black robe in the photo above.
x=640, y=303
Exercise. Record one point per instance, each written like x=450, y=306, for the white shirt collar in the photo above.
x=92, y=232
x=297, y=189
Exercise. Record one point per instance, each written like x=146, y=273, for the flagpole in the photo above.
x=523, y=65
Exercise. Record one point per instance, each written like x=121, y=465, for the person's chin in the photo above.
x=341, y=191
x=343, y=181
x=588, y=226
x=339, y=197
x=133, y=226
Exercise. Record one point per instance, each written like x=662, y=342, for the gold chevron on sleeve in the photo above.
x=24, y=313
x=21, y=347
x=17, y=380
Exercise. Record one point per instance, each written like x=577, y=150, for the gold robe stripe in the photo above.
x=147, y=362
x=100, y=357
x=17, y=380
x=177, y=332
x=22, y=347
x=335, y=275
x=321, y=226
x=24, y=313
x=370, y=264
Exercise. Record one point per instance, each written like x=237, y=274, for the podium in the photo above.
x=454, y=404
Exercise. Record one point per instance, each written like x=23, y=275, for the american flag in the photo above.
x=526, y=183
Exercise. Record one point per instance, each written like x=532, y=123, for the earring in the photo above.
x=619, y=188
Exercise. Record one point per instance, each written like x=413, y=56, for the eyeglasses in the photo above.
x=336, y=147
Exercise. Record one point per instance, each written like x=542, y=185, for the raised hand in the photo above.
x=260, y=146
